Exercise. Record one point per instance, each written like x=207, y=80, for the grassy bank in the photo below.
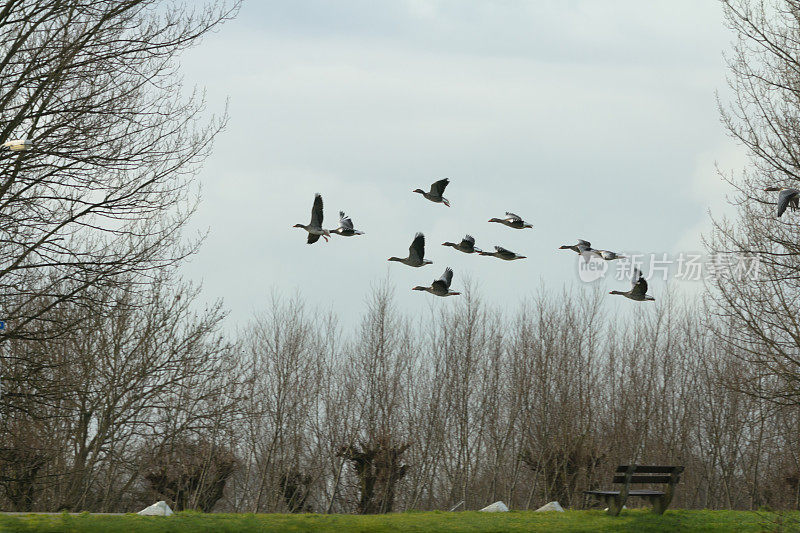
x=632, y=521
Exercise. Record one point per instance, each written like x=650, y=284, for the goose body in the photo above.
x=314, y=228
x=467, y=245
x=787, y=197
x=435, y=194
x=345, y=228
x=416, y=253
x=440, y=287
x=638, y=291
x=512, y=221
x=502, y=253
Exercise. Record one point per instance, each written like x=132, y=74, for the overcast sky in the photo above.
x=591, y=119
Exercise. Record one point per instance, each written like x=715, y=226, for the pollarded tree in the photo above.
x=103, y=187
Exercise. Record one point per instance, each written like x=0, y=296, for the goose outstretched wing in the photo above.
x=416, y=251
x=345, y=221
x=443, y=283
x=316, y=211
x=786, y=197
x=639, y=284
x=437, y=187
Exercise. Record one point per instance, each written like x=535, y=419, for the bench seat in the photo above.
x=637, y=492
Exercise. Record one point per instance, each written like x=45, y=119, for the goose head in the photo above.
x=419, y=191
x=419, y=288
x=772, y=189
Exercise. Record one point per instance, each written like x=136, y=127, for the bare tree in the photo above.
x=759, y=318
x=378, y=377
x=152, y=370
x=284, y=352
x=104, y=187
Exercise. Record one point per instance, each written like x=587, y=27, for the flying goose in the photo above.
x=314, y=228
x=512, y=221
x=504, y=254
x=608, y=255
x=581, y=248
x=345, y=228
x=416, y=253
x=639, y=290
x=467, y=245
x=435, y=194
x=17, y=145
x=787, y=197
x=440, y=287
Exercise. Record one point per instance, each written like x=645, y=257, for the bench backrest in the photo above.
x=647, y=474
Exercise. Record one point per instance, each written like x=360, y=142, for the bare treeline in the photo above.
x=469, y=403
x=483, y=405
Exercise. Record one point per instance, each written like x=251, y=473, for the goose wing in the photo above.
x=501, y=250
x=345, y=221
x=584, y=243
x=785, y=197
x=417, y=249
x=437, y=187
x=316, y=211
x=513, y=217
x=469, y=240
x=639, y=284
x=444, y=282
x=312, y=238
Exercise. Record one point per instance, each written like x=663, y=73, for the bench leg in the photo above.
x=614, y=504
x=660, y=503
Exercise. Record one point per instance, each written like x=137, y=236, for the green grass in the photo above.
x=630, y=520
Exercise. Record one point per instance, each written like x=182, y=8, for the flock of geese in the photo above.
x=787, y=198
x=441, y=286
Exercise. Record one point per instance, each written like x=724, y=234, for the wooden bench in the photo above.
x=640, y=474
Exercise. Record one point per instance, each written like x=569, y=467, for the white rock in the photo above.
x=157, y=509
x=552, y=506
x=496, y=507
